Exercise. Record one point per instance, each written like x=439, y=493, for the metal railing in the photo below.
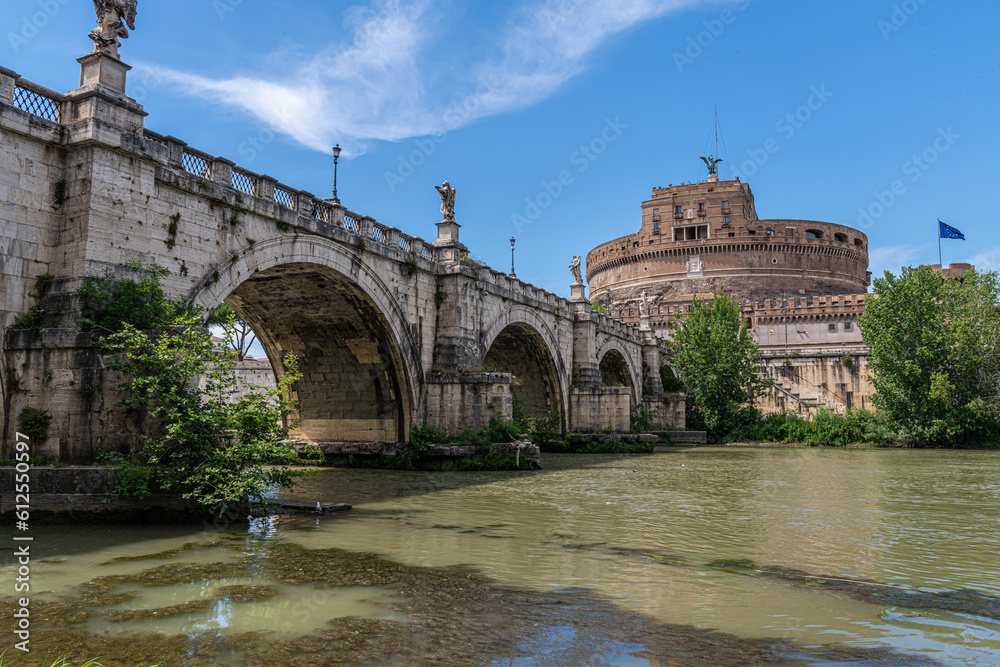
x=196, y=165
x=37, y=103
x=284, y=198
x=245, y=183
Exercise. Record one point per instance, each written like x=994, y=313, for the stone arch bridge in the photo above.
x=390, y=330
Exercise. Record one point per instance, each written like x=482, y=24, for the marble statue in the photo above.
x=112, y=17
x=447, y=200
x=575, y=268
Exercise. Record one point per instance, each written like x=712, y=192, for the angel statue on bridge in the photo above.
x=112, y=16
x=643, y=305
x=574, y=266
x=447, y=200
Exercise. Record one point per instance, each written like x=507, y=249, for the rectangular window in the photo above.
x=725, y=207
x=848, y=326
x=656, y=214
x=725, y=221
x=656, y=228
x=833, y=327
x=677, y=210
x=791, y=232
x=691, y=233
x=701, y=207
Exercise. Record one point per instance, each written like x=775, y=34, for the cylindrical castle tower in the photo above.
x=704, y=237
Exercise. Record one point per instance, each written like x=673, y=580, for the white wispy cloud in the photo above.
x=391, y=81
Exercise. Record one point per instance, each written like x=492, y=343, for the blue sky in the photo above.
x=499, y=98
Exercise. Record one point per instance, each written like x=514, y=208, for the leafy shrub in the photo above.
x=425, y=435
x=641, y=419
x=34, y=423
x=137, y=299
x=546, y=429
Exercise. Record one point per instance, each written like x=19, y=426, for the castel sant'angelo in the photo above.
x=802, y=284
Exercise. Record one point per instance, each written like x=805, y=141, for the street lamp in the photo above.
x=336, y=157
x=512, y=274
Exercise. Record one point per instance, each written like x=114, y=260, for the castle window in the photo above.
x=725, y=207
x=725, y=221
x=752, y=232
x=833, y=327
x=791, y=232
x=656, y=214
x=848, y=326
x=656, y=228
x=814, y=234
x=678, y=210
x=732, y=234
x=701, y=207
x=841, y=237
x=691, y=233
x=858, y=243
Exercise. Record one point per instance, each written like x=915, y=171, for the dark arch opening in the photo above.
x=520, y=351
x=814, y=234
x=353, y=387
x=615, y=373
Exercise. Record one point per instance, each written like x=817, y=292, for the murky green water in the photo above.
x=636, y=531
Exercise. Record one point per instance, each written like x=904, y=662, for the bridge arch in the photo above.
x=325, y=303
x=521, y=343
x=616, y=365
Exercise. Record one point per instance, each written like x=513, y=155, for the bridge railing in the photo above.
x=259, y=186
x=30, y=97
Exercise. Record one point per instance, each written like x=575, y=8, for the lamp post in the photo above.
x=608, y=300
x=512, y=274
x=336, y=158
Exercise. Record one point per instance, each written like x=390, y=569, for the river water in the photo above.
x=474, y=564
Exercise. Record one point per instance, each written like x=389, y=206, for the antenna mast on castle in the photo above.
x=716, y=130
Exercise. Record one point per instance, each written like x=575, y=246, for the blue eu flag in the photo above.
x=949, y=232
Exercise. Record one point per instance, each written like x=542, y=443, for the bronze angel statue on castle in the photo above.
x=112, y=17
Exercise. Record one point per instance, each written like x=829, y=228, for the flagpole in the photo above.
x=940, y=260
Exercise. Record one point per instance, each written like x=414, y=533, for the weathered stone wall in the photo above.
x=599, y=408
x=80, y=493
x=456, y=402
x=832, y=378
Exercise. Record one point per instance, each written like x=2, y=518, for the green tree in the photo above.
x=935, y=354
x=239, y=335
x=203, y=439
x=211, y=444
x=718, y=363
